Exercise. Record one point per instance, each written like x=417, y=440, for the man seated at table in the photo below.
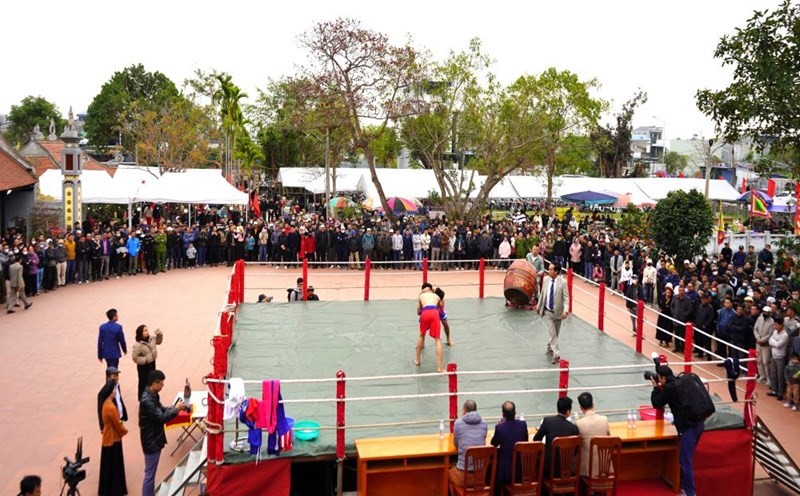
x=555, y=426
x=589, y=426
x=508, y=432
x=470, y=430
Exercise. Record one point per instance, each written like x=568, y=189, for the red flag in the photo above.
x=680, y=175
x=771, y=188
x=744, y=186
x=797, y=211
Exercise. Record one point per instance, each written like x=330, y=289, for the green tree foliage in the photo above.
x=576, y=156
x=32, y=111
x=613, y=145
x=633, y=222
x=461, y=107
x=761, y=102
x=682, y=224
x=385, y=146
x=176, y=134
x=107, y=113
x=675, y=162
x=566, y=107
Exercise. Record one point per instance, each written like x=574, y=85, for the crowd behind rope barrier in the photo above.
x=222, y=343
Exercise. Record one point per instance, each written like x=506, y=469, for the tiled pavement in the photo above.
x=50, y=373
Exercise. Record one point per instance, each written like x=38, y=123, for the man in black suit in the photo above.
x=508, y=432
x=556, y=426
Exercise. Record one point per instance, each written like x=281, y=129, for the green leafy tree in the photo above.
x=761, y=102
x=634, y=222
x=566, y=106
x=682, y=224
x=613, y=145
x=461, y=107
x=385, y=147
x=675, y=162
x=175, y=135
x=576, y=156
x=106, y=116
x=32, y=111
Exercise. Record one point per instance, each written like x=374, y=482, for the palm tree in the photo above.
x=228, y=96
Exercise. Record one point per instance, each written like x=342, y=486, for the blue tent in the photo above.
x=590, y=198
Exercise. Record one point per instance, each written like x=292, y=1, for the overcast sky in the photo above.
x=65, y=51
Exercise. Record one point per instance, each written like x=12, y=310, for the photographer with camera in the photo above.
x=690, y=404
x=152, y=417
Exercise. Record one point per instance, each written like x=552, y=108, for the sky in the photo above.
x=65, y=51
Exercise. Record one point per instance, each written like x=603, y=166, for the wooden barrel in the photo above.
x=519, y=285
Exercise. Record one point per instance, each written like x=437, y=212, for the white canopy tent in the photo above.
x=145, y=184
x=96, y=187
x=658, y=188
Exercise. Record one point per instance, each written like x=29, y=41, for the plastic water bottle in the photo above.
x=522, y=417
x=635, y=417
x=630, y=418
x=441, y=429
x=668, y=414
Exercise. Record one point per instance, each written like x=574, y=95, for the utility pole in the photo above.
x=708, y=167
x=331, y=213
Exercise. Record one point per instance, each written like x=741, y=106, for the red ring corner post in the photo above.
x=424, y=270
x=481, y=276
x=688, y=344
x=340, y=413
x=240, y=270
x=452, y=371
x=563, y=378
x=601, y=308
x=750, y=389
x=367, y=270
x=639, y=325
x=305, y=279
x=570, y=281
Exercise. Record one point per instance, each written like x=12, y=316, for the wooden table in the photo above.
x=650, y=451
x=418, y=465
x=406, y=465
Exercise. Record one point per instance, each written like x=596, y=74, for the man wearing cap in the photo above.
x=312, y=296
x=112, y=374
x=665, y=392
x=762, y=330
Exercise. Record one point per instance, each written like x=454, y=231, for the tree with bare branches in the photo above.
x=367, y=76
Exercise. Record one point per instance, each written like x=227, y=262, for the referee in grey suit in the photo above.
x=553, y=306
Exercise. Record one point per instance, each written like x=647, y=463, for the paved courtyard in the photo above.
x=51, y=374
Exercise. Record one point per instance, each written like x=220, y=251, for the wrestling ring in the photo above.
x=348, y=365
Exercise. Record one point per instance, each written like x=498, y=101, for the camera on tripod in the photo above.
x=73, y=472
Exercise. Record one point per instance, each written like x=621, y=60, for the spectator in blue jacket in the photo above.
x=133, y=245
x=111, y=340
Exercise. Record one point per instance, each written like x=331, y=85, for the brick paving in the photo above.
x=51, y=374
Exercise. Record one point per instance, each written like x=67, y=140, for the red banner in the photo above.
x=797, y=210
x=744, y=186
x=771, y=187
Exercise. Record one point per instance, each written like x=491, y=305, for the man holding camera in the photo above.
x=152, y=417
x=665, y=392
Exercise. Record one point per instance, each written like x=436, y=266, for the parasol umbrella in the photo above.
x=760, y=194
x=340, y=202
x=401, y=205
x=590, y=197
x=371, y=203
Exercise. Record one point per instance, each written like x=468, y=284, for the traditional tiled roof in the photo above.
x=14, y=172
x=46, y=154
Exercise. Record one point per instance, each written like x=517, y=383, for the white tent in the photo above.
x=299, y=177
x=347, y=180
x=658, y=188
x=145, y=184
x=96, y=187
x=405, y=183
